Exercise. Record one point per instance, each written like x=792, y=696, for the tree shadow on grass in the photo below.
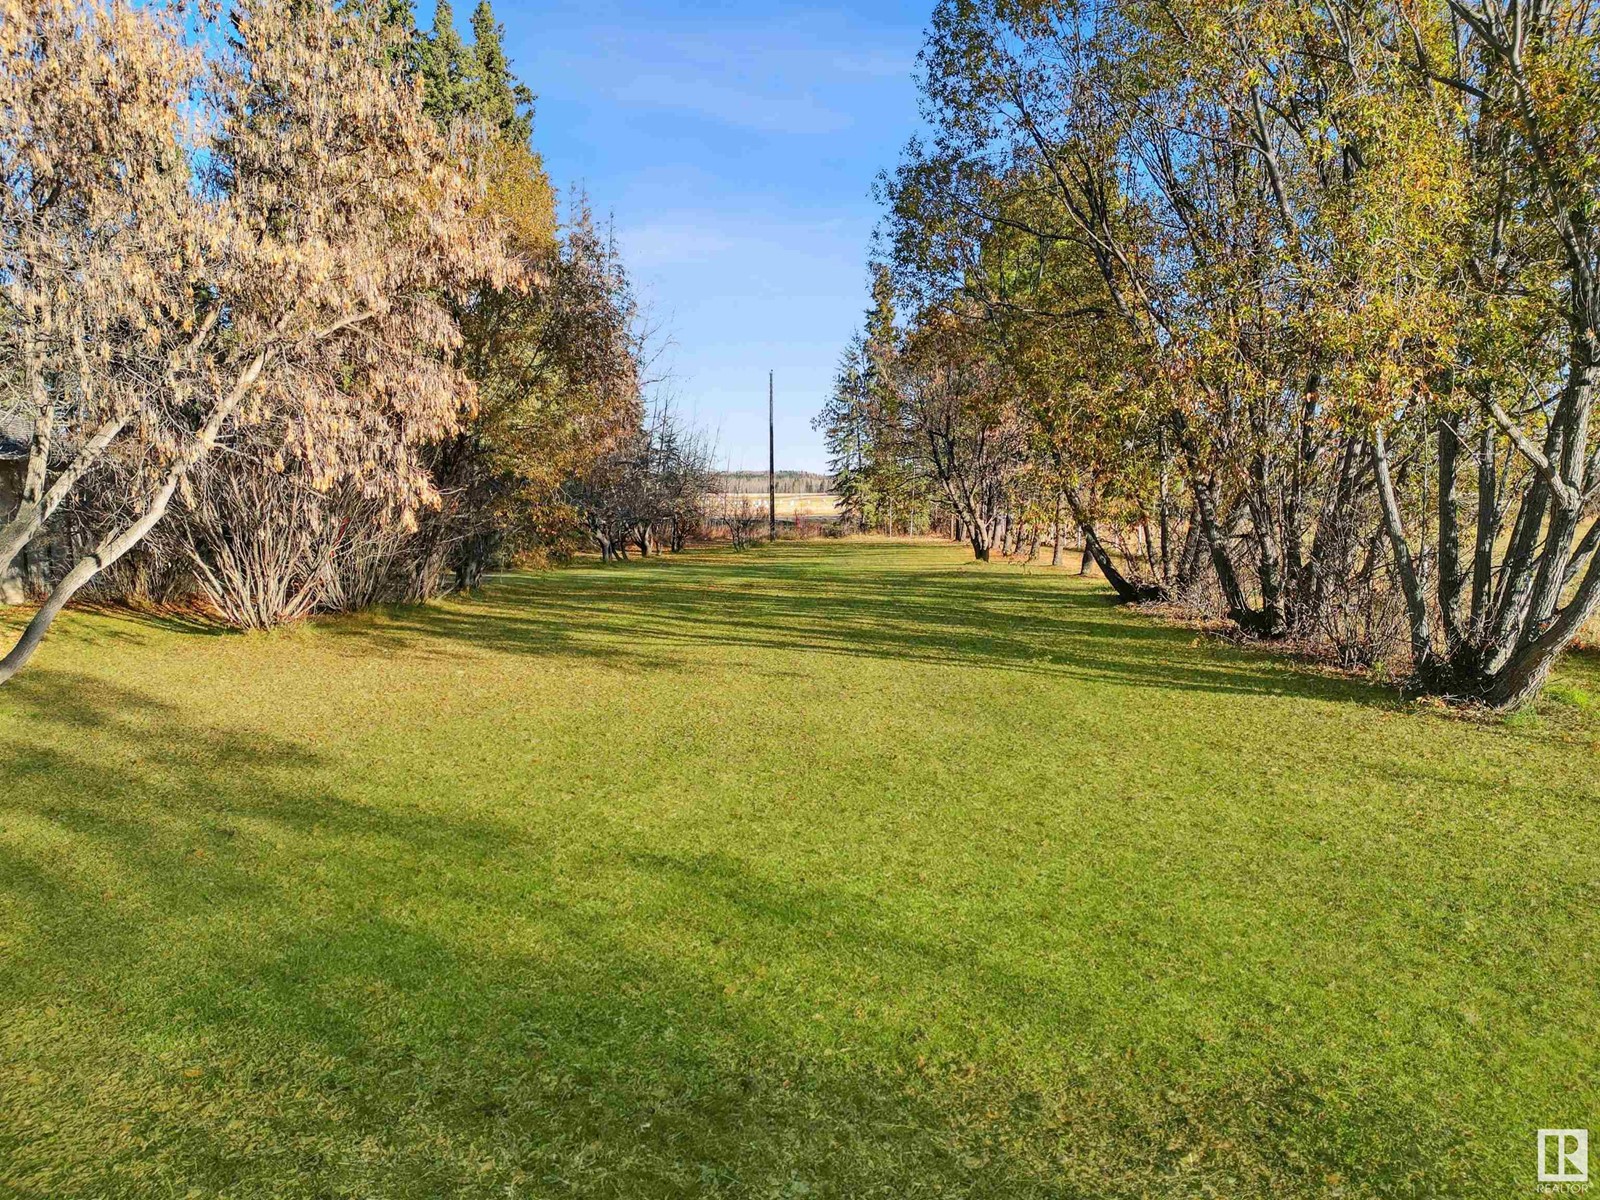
x=153, y=797
x=114, y=629
x=360, y=1026
x=659, y=616
x=345, y=1026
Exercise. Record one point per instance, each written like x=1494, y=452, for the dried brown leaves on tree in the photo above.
x=265, y=240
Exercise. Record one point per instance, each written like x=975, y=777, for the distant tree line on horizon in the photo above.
x=789, y=483
x=1291, y=306
x=290, y=318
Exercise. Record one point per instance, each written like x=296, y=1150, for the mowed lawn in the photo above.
x=826, y=870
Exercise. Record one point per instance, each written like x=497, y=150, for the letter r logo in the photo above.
x=1563, y=1156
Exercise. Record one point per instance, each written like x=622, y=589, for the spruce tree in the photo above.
x=442, y=65
x=496, y=97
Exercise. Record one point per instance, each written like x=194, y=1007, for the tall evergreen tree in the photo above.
x=877, y=480
x=842, y=423
x=443, y=64
x=495, y=96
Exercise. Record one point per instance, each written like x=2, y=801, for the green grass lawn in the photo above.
x=843, y=870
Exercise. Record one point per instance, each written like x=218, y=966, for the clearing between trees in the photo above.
x=829, y=869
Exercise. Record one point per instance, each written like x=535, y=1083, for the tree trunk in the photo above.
x=114, y=546
x=1530, y=666
x=109, y=550
x=31, y=514
x=1239, y=610
x=1192, y=557
x=1517, y=573
x=1269, y=571
x=472, y=561
x=1164, y=510
x=1451, y=577
x=1488, y=529
x=1127, y=591
x=1405, y=568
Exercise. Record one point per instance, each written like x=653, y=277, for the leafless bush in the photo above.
x=740, y=517
x=688, y=526
x=1360, y=619
x=263, y=547
x=257, y=541
x=375, y=562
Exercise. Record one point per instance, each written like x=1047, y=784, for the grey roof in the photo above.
x=16, y=434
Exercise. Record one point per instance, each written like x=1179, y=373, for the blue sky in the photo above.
x=735, y=147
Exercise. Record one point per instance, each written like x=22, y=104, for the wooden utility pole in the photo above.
x=772, y=470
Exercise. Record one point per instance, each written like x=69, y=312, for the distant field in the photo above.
x=819, y=505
